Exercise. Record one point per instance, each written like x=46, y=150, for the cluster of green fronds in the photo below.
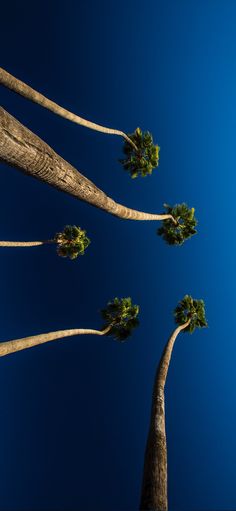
x=71, y=242
x=143, y=160
x=121, y=314
x=176, y=234
x=188, y=308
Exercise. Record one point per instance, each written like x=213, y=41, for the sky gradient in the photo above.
x=75, y=413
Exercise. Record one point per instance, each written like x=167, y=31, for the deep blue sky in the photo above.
x=75, y=413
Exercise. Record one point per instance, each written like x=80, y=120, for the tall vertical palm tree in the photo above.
x=189, y=314
x=24, y=150
x=141, y=154
x=120, y=318
x=71, y=242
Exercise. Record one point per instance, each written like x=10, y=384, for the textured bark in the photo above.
x=8, y=347
x=24, y=150
x=23, y=243
x=21, y=88
x=154, y=486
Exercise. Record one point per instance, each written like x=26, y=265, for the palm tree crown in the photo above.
x=193, y=310
x=142, y=160
x=121, y=316
x=184, y=227
x=71, y=242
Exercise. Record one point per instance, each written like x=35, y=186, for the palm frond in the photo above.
x=143, y=161
x=121, y=315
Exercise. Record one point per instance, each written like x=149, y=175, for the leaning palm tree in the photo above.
x=189, y=314
x=120, y=318
x=71, y=242
x=142, y=156
x=24, y=150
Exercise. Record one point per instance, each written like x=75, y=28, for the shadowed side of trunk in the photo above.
x=21, y=148
x=154, y=486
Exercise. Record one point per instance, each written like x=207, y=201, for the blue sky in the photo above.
x=75, y=413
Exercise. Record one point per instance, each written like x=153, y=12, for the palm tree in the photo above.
x=189, y=314
x=142, y=154
x=71, y=242
x=143, y=158
x=120, y=318
x=184, y=227
x=24, y=150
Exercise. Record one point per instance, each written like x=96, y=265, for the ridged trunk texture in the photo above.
x=8, y=347
x=25, y=90
x=154, y=486
x=24, y=150
x=22, y=243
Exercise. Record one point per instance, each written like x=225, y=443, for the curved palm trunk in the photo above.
x=21, y=88
x=8, y=347
x=24, y=243
x=154, y=486
x=24, y=150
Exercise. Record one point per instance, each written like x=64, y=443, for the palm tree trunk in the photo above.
x=154, y=486
x=21, y=88
x=24, y=150
x=8, y=347
x=24, y=243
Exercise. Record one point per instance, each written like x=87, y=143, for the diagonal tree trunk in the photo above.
x=21, y=88
x=8, y=347
x=154, y=486
x=24, y=150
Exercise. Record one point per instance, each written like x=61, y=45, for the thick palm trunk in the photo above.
x=8, y=347
x=154, y=486
x=24, y=243
x=21, y=88
x=22, y=149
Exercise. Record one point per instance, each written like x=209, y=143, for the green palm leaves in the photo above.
x=176, y=234
x=193, y=310
x=142, y=160
x=71, y=242
x=121, y=315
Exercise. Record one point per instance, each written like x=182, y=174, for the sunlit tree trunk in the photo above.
x=8, y=347
x=154, y=486
x=21, y=88
x=24, y=150
x=24, y=243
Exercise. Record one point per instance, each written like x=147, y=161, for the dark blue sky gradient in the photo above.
x=75, y=413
